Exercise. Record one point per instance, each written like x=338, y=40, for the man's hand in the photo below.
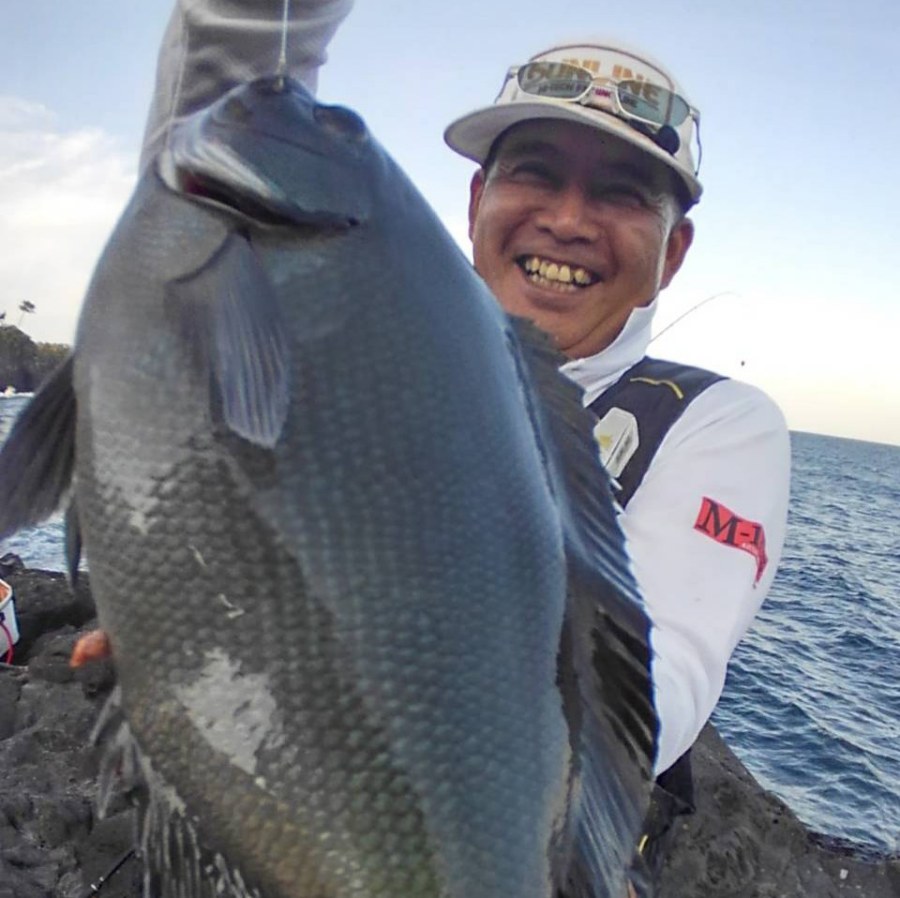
x=93, y=646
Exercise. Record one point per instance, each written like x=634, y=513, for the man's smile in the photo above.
x=556, y=274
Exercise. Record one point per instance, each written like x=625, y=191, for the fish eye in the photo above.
x=235, y=108
x=341, y=121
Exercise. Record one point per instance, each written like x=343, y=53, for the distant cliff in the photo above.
x=23, y=363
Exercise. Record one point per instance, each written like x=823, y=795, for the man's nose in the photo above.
x=570, y=215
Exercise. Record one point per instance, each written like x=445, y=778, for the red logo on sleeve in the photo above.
x=724, y=526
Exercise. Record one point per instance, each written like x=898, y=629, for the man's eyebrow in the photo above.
x=528, y=148
x=536, y=146
x=630, y=171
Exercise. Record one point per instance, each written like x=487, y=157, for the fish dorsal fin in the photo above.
x=229, y=316
x=614, y=723
x=38, y=457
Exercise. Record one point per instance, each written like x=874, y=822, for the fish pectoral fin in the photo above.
x=38, y=457
x=605, y=653
x=228, y=313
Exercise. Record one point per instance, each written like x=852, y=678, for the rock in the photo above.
x=10, y=690
x=50, y=840
x=10, y=563
x=110, y=841
x=743, y=842
x=45, y=604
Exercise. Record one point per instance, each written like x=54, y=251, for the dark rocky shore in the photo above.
x=24, y=364
x=742, y=842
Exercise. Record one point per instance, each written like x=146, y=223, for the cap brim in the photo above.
x=473, y=135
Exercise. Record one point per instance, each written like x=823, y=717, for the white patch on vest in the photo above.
x=618, y=437
x=234, y=712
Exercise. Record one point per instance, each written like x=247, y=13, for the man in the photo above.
x=578, y=219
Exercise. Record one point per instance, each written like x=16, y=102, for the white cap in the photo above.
x=474, y=134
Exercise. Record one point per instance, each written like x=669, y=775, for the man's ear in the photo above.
x=476, y=188
x=680, y=240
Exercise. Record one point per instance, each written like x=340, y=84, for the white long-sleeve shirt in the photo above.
x=730, y=446
x=212, y=45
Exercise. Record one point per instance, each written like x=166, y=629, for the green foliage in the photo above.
x=49, y=356
x=23, y=363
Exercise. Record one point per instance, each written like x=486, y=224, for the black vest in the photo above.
x=656, y=392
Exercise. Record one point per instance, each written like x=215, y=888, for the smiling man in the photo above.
x=577, y=216
x=574, y=231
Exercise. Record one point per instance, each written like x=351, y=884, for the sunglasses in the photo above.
x=640, y=103
x=633, y=99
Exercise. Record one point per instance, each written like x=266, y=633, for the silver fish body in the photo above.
x=372, y=621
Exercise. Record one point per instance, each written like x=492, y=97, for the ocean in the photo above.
x=812, y=700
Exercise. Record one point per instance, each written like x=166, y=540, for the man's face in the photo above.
x=573, y=229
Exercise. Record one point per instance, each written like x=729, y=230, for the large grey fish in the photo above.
x=373, y=623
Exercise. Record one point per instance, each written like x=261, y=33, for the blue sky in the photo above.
x=796, y=229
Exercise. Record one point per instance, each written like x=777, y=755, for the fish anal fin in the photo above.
x=228, y=313
x=175, y=860
x=38, y=457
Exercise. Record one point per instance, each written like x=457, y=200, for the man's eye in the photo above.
x=623, y=195
x=532, y=170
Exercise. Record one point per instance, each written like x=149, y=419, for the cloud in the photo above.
x=60, y=195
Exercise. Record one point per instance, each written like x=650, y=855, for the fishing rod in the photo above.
x=694, y=308
x=96, y=886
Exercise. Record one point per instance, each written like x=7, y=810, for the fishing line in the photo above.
x=281, y=70
x=169, y=126
x=694, y=308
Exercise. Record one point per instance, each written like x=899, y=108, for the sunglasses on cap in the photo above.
x=654, y=111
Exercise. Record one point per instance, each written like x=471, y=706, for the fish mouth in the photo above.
x=266, y=154
x=211, y=192
x=215, y=176
x=556, y=274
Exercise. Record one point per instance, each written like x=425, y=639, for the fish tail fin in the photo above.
x=38, y=457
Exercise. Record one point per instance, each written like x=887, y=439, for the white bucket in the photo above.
x=9, y=631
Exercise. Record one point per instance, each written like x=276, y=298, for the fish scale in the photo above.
x=243, y=644
x=373, y=624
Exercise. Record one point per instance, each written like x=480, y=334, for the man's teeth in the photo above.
x=560, y=273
